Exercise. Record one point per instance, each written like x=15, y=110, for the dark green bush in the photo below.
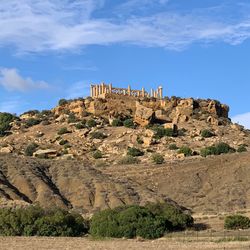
x=162, y=132
x=97, y=154
x=30, y=149
x=63, y=131
x=5, y=120
x=206, y=133
x=186, y=151
x=129, y=123
x=128, y=159
x=91, y=123
x=241, y=149
x=157, y=158
x=62, y=102
x=98, y=135
x=72, y=118
x=34, y=221
x=173, y=147
x=233, y=222
x=128, y=222
x=134, y=152
x=218, y=149
x=176, y=218
x=117, y=123
x=63, y=142
x=81, y=125
x=32, y=122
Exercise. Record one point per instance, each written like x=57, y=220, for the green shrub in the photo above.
x=218, y=149
x=162, y=132
x=32, y=122
x=81, y=125
x=157, y=158
x=62, y=102
x=128, y=159
x=34, y=221
x=176, y=218
x=173, y=147
x=63, y=142
x=72, y=118
x=128, y=222
x=206, y=133
x=134, y=152
x=233, y=222
x=129, y=123
x=98, y=135
x=63, y=131
x=97, y=154
x=139, y=140
x=117, y=123
x=30, y=149
x=186, y=151
x=5, y=120
x=241, y=149
x=91, y=123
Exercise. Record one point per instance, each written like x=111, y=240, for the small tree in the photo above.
x=5, y=120
x=233, y=222
x=117, y=123
x=185, y=150
x=91, y=123
x=242, y=149
x=206, y=133
x=134, y=152
x=63, y=131
x=129, y=123
x=32, y=122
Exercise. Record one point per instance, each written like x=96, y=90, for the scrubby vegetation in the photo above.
x=148, y=222
x=173, y=147
x=134, y=152
x=98, y=135
x=30, y=149
x=129, y=123
x=32, y=122
x=206, y=133
x=218, y=149
x=62, y=102
x=72, y=118
x=161, y=132
x=237, y=221
x=128, y=159
x=241, y=149
x=35, y=221
x=97, y=154
x=63, y=131
x=187, y=151
x=91, y=123
x=117, y=123
x=157, y=158
x=5, y=120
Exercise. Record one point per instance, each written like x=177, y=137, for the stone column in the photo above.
x=102, y=88
x=129, y=90
x=152, y=93
x=110, y=88
x=143, y=92
x=91, y=90
x=160, y=92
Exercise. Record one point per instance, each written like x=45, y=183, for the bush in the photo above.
x=97, y=154
x=162, y=132
x=117, y=123
x=63, y=131
x=234, y=222
x=30, y=149
x=218, y=149
x=176, y=218
x=173, y=147
x=98, y=135
x=91, y=123
x=72, y=118
x=139, y=140
x=157, y=158
x=129, y=123
x=63, y=142
x=5, y=120
x=32, y=122
x=242, y=149
x=128, y=159
x=206, y=133
x=186, y=151
x=128, y=222
x=34, y=221
x=134, y=152
x=81, y=125
x=62, y=102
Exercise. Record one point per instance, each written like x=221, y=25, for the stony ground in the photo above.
x=35, y=243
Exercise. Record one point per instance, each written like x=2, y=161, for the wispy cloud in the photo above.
x=56, y=25
x=11, y=80
x=243, y=119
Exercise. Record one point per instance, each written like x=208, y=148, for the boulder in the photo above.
x=161, y=115
x=6, y=150
x=48, y=153
x=143, y=115
x=172, y=126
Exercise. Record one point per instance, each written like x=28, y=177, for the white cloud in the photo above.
x=55, y=25
x=11, y=80
x=243, y=119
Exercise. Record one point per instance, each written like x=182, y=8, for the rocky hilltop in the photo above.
x=69, y=156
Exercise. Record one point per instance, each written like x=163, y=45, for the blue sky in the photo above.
x=52, y=49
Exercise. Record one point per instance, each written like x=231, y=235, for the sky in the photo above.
x=53, y=49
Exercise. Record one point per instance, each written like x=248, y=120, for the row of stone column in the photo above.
x=97, y=90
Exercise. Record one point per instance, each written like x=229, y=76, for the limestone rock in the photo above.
x=50, y=153
x=6, y=150
x=143, y=115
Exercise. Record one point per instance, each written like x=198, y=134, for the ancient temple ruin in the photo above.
x=100, y=91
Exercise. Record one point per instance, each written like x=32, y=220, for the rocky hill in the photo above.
x=89, y=140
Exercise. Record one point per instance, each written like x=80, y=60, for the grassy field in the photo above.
x=35, y=243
